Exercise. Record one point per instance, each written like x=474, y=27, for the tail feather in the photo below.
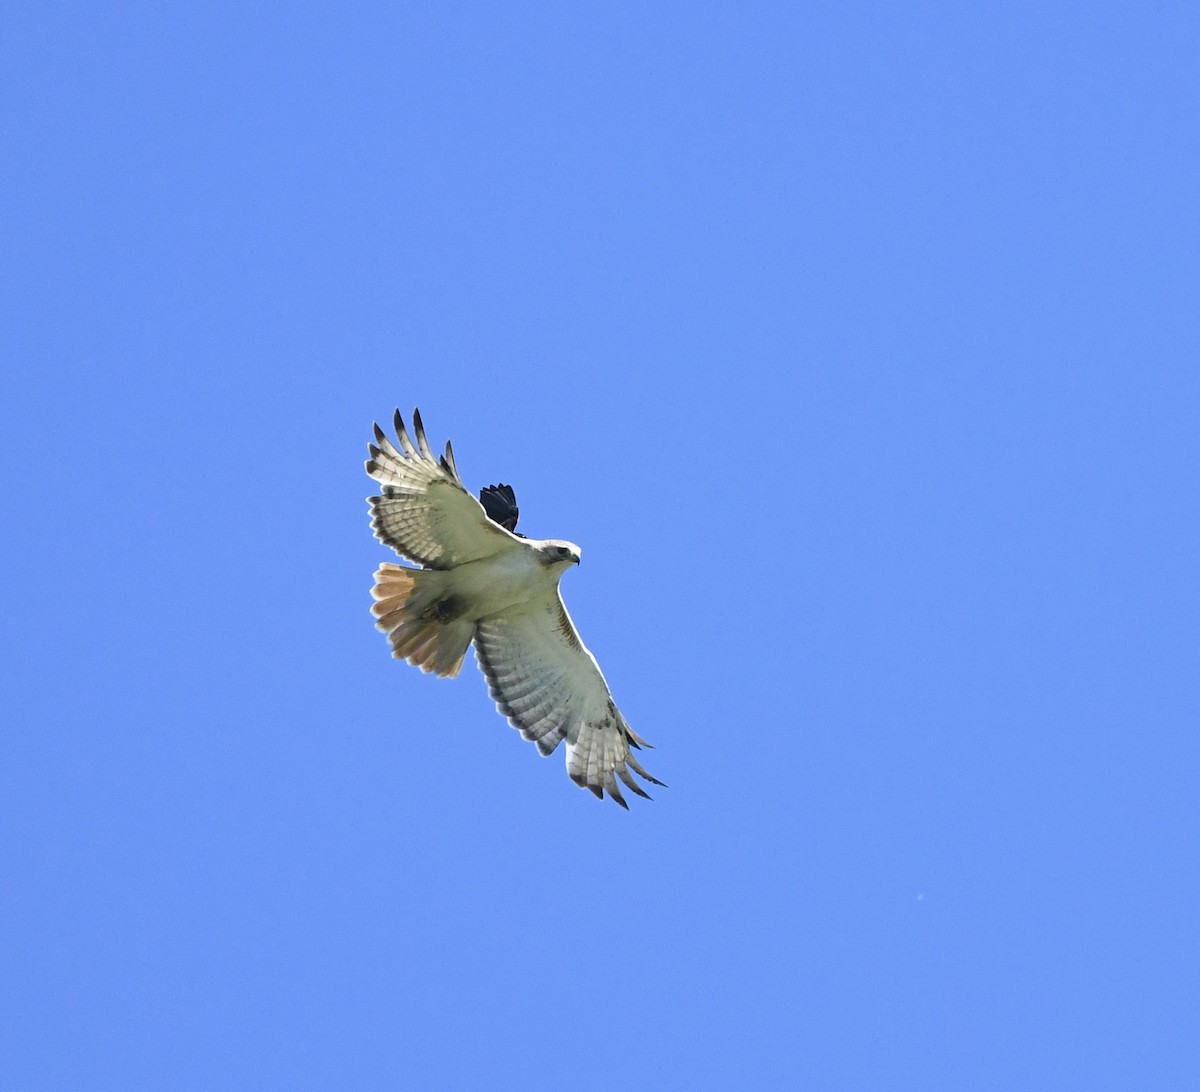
x=423, y=625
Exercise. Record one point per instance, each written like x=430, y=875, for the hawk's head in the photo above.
x=558, y=552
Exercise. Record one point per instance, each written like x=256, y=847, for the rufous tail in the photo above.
x=423, y=622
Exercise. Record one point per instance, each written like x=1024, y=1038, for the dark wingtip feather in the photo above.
x=630, y=783
x=402, y=434
x=636, y=740
x=637, y=768
x=422, y=439
x=582, y=782
x=449, y=458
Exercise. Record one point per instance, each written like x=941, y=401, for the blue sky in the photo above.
x=857, y=347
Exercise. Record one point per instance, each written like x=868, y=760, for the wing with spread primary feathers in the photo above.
x=425, y=514
x=550, y=687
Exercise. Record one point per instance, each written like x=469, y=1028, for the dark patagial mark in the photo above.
x=568, y=630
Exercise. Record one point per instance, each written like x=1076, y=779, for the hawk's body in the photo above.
x=482, y=582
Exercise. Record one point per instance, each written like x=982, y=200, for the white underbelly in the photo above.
x=501, y=582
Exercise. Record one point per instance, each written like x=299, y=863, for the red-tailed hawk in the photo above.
x=480, y=581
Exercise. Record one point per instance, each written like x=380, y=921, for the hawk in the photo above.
x=482, y=582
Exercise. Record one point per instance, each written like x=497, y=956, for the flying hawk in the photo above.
x=480, y=581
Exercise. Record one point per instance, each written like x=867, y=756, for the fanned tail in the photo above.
x=424, y=624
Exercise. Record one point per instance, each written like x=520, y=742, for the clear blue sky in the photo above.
x=858, y=347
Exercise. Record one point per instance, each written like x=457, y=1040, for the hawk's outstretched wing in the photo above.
x=425, y=514
x=550, y=687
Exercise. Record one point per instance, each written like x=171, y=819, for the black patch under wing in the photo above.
x=500, y=504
